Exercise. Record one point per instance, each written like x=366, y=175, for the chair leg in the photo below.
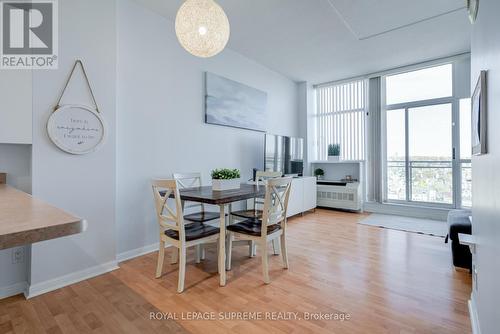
x=284, y=251
x=251, y=248
x=175, y=256
x=203, y=255
x=161, y=256
x=265, y=263
x=198, y=253
x=229, y=250
x=276, y=246
x=182, y=268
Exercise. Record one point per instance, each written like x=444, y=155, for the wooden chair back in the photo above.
x=260, y=177
x=189, y=180
x=170, y=217
x=276, y=202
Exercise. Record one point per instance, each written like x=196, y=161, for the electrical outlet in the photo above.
x=18, y=255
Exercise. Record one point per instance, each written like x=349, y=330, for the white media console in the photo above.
x=302, y=196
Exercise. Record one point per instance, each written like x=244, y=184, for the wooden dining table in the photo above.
x=224, y=200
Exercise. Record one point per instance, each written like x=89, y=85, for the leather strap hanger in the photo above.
x=77, y=62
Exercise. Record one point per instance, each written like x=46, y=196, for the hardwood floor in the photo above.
x=385, y=281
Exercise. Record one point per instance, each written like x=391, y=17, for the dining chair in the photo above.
x=255, y=213
x=173, y=227
x=190, y=180
x=272, y=226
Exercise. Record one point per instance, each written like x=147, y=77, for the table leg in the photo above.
x=222, y=246
x=230, y=221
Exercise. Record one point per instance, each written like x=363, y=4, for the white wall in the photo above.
x=160, y=117
x=337, y=172
x=486, y=169
x=15, y=160
x=15, y=106
x=83, y=185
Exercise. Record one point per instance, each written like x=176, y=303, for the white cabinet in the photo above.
x=310, y=193
x=302, y=196
x=15, y=107
x=296, y=200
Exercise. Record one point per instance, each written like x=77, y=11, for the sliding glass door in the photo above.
x=419, y=154
x=423, y=136
x=430, y=153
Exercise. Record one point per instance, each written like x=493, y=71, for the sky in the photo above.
x=430, y=127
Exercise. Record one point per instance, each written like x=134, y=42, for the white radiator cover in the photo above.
x=340, y=197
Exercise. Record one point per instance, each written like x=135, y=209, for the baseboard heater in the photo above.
x=339, y=195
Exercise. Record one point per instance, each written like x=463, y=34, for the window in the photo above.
x=420, y=161
x=396, y=155
x=425, y=84
x=340, y=119
x=465, y=153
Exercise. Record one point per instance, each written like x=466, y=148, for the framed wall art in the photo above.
x=479, y=116
x=234, y=104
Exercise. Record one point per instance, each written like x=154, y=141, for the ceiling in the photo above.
x=325, y=40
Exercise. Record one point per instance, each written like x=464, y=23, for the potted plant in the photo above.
x=334, y=152
x=319, y=173
x=225, y=179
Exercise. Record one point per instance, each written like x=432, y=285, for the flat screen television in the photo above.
x=284, y=154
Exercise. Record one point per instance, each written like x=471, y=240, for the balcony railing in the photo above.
x=430, y=181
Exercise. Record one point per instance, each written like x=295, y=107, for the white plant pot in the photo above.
x=333, y=158
x=219, y=185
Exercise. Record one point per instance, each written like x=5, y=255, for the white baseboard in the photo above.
x=59, y=282
x=474, y=321
x=37, y=289
x=407, y=210
x=12, y=290
x=124, y=256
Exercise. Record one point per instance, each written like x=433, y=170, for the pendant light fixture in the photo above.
x=202, y=27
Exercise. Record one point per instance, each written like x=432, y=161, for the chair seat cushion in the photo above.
x=194, y=231
x=248, y=214
x=201, y=217
x=252, y=227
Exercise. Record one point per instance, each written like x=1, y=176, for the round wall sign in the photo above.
x=76, y=129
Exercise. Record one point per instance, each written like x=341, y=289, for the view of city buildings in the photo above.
x=431, y=180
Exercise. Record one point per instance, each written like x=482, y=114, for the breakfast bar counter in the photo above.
x=25, y=220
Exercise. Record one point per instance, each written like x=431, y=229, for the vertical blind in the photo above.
x=340, y=119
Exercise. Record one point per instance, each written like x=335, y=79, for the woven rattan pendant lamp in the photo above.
x=202, y=27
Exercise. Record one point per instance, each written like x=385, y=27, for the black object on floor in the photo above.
x=461, y=254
